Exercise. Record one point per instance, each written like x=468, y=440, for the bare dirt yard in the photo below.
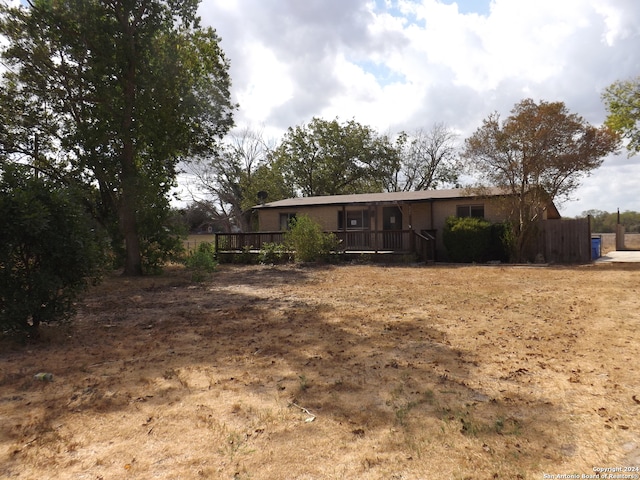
x=334, y=372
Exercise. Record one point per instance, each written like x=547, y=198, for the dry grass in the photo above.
x=365, y=372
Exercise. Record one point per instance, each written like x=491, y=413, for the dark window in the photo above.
x=285, y=220
x=476, y=211
x=356, y=220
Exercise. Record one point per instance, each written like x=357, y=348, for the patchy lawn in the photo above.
x=333, y=372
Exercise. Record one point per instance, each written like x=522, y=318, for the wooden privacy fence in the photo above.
x=563, y=241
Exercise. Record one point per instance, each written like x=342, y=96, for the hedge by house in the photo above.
x=470, y=239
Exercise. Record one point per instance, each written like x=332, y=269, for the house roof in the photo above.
x=386, y=197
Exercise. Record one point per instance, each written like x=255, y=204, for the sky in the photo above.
x=401, y=65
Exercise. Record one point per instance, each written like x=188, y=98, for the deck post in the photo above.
x=376, y=235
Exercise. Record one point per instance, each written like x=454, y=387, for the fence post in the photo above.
x=620, y=231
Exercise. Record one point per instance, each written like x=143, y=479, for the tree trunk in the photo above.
x=129, y=174
x=128, y=206
x=129, y=228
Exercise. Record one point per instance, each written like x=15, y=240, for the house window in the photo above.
x=285, y=220
x=356, y=220
x=476, y=211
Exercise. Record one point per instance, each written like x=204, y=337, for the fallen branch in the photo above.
x=311, y=417
x=102, y=363
x=30, y=442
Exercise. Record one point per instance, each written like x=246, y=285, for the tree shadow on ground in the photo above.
x=246, y=333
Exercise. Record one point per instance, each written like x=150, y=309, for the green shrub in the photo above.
x=50, y=250
x=165, y=245
x=472, y=239
x=273, y=253
x=502, y=242
x=156, y=253
x=202, y=262
x=246, y=257
x=307, y=240
x=467, y=239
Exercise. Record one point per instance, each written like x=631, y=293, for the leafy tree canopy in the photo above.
x=321, y=158
x=116, y=92
x=332, y=158
x=622, y=100
x=537, y=154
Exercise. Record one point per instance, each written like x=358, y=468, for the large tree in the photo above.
x=428, y=159
x=622, y=99
x=117, y=92
x=326, y=157
x=537, y=154
x=232, y=179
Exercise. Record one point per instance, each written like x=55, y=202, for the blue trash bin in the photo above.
x=595, y=248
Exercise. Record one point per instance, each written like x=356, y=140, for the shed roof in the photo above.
x=386, y=197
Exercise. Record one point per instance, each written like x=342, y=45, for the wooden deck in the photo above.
x=361, y=241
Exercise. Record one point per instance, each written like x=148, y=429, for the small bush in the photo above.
x=167, y=245
x=502, y=242
x=202, y=262
x=307, y=240
x=246, y=257
x=273, y=253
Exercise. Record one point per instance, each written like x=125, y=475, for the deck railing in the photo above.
x=398, y=241
x=374, y=241
x=238, y=242
x=425, y=245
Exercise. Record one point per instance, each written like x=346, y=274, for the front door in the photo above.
x=392, y=226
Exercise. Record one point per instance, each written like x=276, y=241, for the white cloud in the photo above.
x=404, y=64
x=270, y=87
x=614, y=186
x=620, y=19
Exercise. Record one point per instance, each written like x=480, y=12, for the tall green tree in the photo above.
x=622, y=100
x=326, y=157
x=537, y=154
x=117, y=93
